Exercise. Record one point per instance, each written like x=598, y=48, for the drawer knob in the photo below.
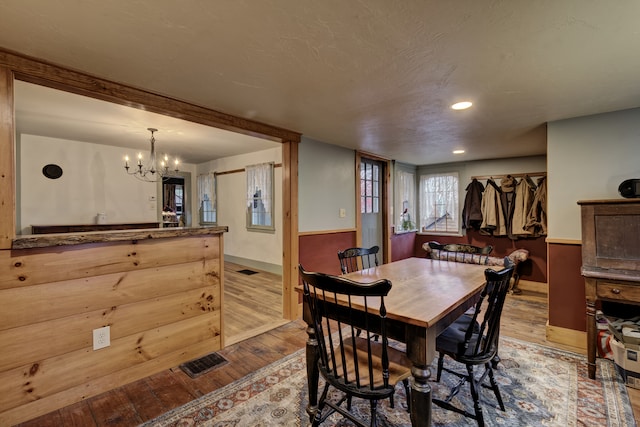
x=615, y=291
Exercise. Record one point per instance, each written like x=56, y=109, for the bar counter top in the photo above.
x=68, y=239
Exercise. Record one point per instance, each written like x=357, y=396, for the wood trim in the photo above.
x=386, y=217
x=358, y=159
x=48, y=74
x=386, y=188
x=531, y=286
x=321, y=232
x=563, y=241
x=7, y=160
x=570, y=337
x=290, y=229
x=514, y=175
x=277, y=165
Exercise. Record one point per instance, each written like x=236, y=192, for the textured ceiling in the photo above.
x=377, y=75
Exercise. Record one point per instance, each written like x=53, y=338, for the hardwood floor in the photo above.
x=253, y=303
x=524, y=318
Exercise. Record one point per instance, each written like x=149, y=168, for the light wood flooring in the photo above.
x=252, y=303
x=524, y=318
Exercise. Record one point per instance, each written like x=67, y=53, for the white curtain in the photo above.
x=405, y=194
x=439, y=202
x=260, y=193
x=207, y=197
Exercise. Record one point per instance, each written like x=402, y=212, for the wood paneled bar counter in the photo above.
x=158, y=290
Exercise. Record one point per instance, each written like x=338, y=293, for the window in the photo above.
x=439, y=203
x=207, y=198
x=405, y=207
x=260, y=197
x=369, y=188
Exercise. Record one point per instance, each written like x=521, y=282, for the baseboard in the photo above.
x=260, y=265
x=569, y=337
x=530, y=286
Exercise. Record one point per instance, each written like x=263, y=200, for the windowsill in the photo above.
x=270, y=230
x=405, y=231
x=439, y=233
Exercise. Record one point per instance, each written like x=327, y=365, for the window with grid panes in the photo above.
x=369, y=188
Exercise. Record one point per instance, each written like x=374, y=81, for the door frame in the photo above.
x=385, y=197
x=18, y=66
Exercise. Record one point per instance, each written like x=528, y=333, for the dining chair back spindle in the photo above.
x=354, y=364
x=354, y=259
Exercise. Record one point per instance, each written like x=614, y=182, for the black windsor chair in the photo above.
x=357, y=366
x=473, y=340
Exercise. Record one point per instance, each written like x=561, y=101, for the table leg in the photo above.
x=420, y=397
x=312, y=373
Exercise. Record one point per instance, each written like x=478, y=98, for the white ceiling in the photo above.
x=54, y=113
x=376, y=75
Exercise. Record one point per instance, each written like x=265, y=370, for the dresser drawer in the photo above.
x=618, y=291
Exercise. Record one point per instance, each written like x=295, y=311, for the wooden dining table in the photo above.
x=426, y=296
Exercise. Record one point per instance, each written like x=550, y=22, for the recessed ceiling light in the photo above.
x=458, y=151
x=462, y=105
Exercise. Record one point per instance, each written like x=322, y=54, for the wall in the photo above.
x=487, y=167
x=327, y=183
x=161, y=298
x=258, y=249
x=93, y=180
x=588, y=157
x=326, y=180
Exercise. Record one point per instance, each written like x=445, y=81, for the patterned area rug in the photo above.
x=540, y=386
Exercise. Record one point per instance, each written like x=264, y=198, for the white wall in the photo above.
x=231, y=202
x=588, y=159
x=93, y=180
x=326, y=184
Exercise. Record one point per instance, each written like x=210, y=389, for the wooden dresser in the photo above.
x=610, y=259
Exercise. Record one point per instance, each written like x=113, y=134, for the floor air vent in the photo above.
x=203, y=365
x=248, y=272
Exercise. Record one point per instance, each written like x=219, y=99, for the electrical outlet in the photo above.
x=101, y=337
x=343, y=212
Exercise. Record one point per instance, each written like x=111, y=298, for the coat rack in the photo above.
x=513, y=175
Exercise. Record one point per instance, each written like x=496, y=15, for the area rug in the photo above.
x=540, y=387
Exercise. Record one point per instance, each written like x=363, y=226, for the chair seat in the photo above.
x=399, y=364
x=452, y=340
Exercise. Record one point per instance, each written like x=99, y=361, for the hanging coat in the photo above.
x=508, y=201
x=523, y=202
x=472, y=210
x=537, y=217
x=492, y=216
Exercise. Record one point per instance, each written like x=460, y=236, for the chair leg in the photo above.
x=475, y=394
x=374, y=417
x=321, y=403
x=494, y=387
x=407, y=392
x=440, y=367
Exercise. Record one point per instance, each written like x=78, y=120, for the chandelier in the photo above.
x=151, y=172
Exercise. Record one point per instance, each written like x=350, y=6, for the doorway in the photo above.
x=373, y=204
x=176, y=205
